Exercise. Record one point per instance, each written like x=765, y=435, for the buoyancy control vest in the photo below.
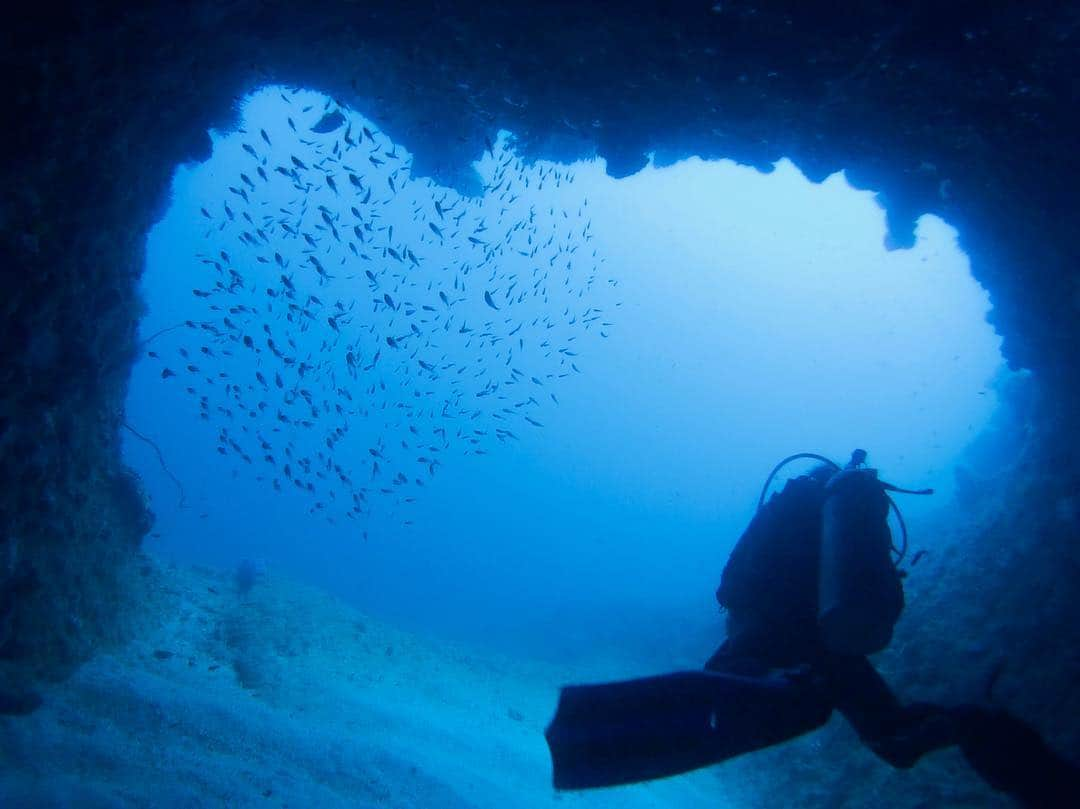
x=845, y=584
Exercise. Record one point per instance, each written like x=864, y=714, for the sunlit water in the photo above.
x=668, y=336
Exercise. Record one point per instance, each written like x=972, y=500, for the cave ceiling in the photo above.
x=966, y=110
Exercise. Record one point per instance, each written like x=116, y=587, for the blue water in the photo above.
x=672, y=335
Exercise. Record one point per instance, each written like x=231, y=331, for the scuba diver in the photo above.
x=810, y=589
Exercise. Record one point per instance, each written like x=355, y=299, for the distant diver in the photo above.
x=810, y=589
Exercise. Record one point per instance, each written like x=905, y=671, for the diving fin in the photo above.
x=654, y=727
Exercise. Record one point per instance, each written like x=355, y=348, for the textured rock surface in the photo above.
x=963, y=109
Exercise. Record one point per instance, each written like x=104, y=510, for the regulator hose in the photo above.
x=785, y=462
x=857, y=458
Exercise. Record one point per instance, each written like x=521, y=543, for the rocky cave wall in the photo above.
x=964, y=109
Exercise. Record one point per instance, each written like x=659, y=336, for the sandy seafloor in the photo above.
x=287, y=697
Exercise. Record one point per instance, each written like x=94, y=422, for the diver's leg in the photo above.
x=719, y=659
x=730, y=659
x=1006, y=752
x=899, y=734
x=1011, y=756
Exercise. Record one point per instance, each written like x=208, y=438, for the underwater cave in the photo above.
x=372, y=372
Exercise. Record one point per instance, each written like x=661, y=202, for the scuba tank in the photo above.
x=860, y=594
x=859, y=591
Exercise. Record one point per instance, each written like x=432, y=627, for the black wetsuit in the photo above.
x=769, y=589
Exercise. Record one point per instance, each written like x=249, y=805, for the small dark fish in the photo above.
x=166, y=373
x=918, y=555
x=489, y=301
x=329, y=122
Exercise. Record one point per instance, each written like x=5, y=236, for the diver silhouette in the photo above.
x=810, y=590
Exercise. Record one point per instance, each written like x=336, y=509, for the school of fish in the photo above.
x=352, y=327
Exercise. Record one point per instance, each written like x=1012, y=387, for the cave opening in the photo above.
x=390, y=388
x=605, y=529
